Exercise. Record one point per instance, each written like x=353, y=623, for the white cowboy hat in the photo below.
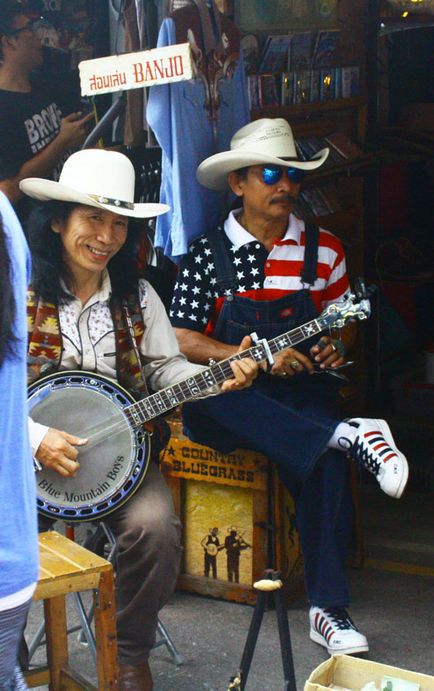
x=95, y=177
x=268, y=140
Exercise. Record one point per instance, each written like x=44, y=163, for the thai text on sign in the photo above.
x=135, y=70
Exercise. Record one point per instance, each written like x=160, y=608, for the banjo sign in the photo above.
x=136, y=70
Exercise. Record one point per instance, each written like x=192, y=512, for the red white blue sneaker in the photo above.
x=333, y=629
x=374, y=448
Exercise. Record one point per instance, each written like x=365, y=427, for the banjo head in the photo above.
x=112, y=463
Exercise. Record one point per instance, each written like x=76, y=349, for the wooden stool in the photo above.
x=66, y=567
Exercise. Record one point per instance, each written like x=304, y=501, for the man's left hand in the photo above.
x=327, y=353
x=245, y=370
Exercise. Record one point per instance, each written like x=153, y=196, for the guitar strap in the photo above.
x=129, y=327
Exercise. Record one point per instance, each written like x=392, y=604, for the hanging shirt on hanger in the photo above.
x=195, y=119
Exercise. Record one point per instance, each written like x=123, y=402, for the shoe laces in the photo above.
x=362, y=452
x=340, y=618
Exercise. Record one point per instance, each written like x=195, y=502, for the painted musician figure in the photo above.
x=83, y=242
x=266, y=271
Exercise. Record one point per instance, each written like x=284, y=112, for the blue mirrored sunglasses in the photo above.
x=272, y=174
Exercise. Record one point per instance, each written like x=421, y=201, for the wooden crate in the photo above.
x=231, y=493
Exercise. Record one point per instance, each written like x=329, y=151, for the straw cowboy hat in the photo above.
x=95, y=177
x=268, y=140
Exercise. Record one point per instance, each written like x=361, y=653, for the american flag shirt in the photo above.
x=261, y=275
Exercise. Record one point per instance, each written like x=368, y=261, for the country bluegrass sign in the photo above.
x=135, y=70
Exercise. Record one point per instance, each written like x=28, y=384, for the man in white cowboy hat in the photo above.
x=88, y=310
x=36, y=136
x=266, y=271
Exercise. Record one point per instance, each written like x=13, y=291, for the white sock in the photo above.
x=344, y=429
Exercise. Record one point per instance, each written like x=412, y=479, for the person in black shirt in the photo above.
x=36, y=137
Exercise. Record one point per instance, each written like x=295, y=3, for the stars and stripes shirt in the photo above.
x=261, y=275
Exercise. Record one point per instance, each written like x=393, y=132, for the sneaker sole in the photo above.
x=389, y=438
x=317, y=638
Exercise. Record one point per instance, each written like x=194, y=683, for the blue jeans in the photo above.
x=12, y=622
x=292, y=431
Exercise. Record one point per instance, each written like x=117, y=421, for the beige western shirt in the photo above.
x=89, y=343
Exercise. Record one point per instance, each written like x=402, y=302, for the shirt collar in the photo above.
x=101, y=295
x=239, y=236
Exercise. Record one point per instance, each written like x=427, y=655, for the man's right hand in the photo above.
x=57, y=452
x=74, y=129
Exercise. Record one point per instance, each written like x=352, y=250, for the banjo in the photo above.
x=114, y=461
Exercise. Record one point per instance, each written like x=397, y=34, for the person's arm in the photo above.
x=164, y=364
x=54, y=449
x=72, y=133
x=200, y=348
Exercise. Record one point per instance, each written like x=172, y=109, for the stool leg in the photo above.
x=285, y=642
x=105, y=632
x=167, y=641
x=36, y=640
x=56, y=638
x=86, y=633
x=252, y=637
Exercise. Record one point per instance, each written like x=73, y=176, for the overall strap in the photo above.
x=309, y=270
x=226, y=277
x=219, y=243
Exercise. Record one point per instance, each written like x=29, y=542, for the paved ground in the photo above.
x=393, y=609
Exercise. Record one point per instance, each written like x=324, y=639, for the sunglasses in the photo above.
x=272, y=174
x=30, y=26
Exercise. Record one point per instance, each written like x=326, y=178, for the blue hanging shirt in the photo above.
x=195, y=119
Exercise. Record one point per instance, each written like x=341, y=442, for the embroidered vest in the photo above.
x=45, y=340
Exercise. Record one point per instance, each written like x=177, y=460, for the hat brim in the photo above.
x=213, y=172
x=48, y=190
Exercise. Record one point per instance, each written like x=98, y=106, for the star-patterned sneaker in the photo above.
x=374, y=448
x=333, y=629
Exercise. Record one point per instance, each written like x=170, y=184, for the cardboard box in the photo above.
x=353, y=673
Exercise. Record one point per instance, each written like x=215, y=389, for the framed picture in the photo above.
x=222, y=501
x=259, y=16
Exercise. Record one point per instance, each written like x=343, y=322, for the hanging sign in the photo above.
x=135, y=70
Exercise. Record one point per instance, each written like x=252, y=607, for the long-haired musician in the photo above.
x=85, y=302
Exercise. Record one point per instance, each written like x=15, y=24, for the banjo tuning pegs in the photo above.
x=360, y=289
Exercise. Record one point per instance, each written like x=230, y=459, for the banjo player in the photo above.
x=83, y=242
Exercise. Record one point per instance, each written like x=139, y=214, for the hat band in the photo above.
x=113, y=202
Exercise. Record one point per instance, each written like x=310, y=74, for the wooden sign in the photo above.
x=183, y=458
x=135, y=70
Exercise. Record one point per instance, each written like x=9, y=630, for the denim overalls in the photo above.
x=289, y=420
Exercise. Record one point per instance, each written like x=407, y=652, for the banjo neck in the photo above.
x=193, y=387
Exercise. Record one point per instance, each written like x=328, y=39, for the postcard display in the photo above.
x=305, y=62
x=300, y=67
